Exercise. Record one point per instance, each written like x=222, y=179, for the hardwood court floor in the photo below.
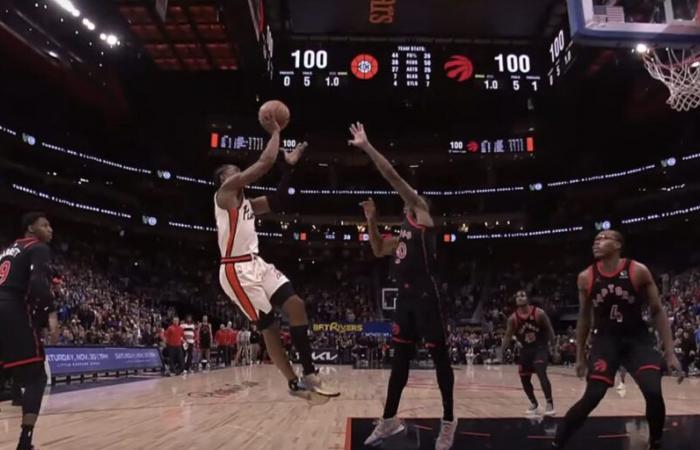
x=249, y=408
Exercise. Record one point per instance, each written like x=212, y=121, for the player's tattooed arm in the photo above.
x=380, y=247
x=260, y=167
x=544, y=319
x=508, y=337
x=585, y=320
x=407, y=193
x=644, y=282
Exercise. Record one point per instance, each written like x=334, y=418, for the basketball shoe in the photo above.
x=447, y=435
x=385, y=429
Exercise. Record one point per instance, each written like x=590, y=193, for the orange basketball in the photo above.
x=279, y=111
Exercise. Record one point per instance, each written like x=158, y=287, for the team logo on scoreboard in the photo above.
x=459, y=68
x=364, y=66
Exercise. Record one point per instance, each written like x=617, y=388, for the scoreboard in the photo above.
x=409, y=67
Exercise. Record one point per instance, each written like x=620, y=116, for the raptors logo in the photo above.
x=600, y=366
x=459, y=68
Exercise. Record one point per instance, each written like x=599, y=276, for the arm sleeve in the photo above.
x=39, y=293
x=280, y=199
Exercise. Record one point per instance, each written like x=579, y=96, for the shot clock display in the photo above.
x=414, y=67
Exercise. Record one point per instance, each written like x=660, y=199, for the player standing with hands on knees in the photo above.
x=417, y=315
x=254, y=285
x=612, y=294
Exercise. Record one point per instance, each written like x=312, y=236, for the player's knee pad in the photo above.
x=29, y=373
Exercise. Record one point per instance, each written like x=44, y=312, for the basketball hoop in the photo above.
x=679, y=70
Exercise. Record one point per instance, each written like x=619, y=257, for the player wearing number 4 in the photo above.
x=533, y=330
x=612, y=293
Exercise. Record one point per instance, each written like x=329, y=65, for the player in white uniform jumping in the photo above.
x=251, y=283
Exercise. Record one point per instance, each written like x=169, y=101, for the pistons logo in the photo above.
x=395, y=329
x=600, y=366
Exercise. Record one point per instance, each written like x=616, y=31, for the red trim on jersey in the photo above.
x=24, y=362
x=602, y=378
x=26, y=239
x=527, y=315
x=30, y=243
x=414, y=223
x=620, y=267
x=649, y=367
x=632, y=271
x=232, y=225
x=591, y=279
x=238, y=290
x=401, y=341
x=237, y=259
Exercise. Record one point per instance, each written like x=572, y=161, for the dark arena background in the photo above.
x=530, y=126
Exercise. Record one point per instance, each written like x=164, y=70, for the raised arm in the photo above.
x=508, y=337
x=380, y=247
x=645, y=283
x=585, y=320
x=279, y=200
x=261, y=166
x=407, y=193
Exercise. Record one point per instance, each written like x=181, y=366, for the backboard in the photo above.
x=671, y=23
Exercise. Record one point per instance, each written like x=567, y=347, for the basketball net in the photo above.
x=679, y=70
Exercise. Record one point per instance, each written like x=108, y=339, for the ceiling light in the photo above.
x=68, y=6
x=103, y=36
x=112, y=40
x=88, y=24
x=642, y=48
x=53, y=54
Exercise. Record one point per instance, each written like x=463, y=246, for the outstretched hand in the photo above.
x=269, y=123
x=369, y=209
x=359, y=137
x=295, y=155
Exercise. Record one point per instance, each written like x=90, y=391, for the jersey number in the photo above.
x=615, y=314
x=530, y=338
x=4, y=271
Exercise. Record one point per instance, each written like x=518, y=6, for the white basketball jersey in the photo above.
x=236, y=230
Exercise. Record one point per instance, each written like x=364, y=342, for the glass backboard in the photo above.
x=674, y=23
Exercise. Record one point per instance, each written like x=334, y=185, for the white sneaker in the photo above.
x=385, y=428
x=533, y=410
x=621, y=386
x=549, y=410
x=447, y=435
x=313, y=383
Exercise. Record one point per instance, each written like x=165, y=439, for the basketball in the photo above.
x=279, y=110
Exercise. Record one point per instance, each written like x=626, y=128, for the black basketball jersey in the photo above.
x=415, y=258
x=24, y=272
x=528, y=331
x=617, y=306
x=205, y=333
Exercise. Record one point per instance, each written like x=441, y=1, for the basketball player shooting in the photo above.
x=417, y=313
x=251, y=283
x=533, y=330
x=24, y=287
x=612, y=293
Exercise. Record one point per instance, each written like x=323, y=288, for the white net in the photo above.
x=679, y=70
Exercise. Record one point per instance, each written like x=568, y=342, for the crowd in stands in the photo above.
x=109, y=294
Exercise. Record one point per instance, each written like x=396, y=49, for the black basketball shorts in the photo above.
x=634, y=353
x=418, y=316
x=19, y=339
x=531, y=356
